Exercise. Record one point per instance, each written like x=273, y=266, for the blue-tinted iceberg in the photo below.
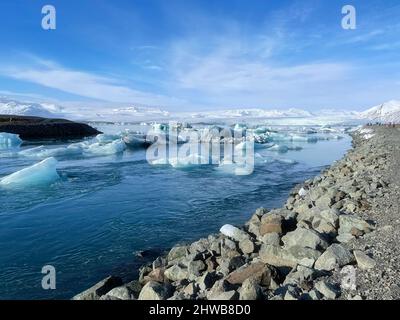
x=9, y=140
x=42, y=173
x=188, y=161
x=136, y=140
x=104, y=138
x=99, y=149
x=43, y=152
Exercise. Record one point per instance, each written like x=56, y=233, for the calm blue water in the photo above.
x=90, y=224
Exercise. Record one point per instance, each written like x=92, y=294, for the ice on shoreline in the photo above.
x=42, y=173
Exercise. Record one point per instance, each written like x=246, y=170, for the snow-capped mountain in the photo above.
x=252, y=113
x=386, y=112
x=14, y=107
x=131, y=113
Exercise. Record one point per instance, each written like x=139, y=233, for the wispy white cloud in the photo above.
x=365, y=37
x=52, y=75
x=237, y=73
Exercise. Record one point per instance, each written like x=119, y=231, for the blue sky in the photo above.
x=187, y=55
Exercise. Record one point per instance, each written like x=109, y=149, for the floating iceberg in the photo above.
x=262, y=138
x=160, y=127
x=181, y=162
x=136, y=140
x=260, y=130
x=239, y=126
x=158, y=162
x=99, y=149
x=300, y=138
x=43, y=152
x=228, y=166
x=248, y=146
x=107, y=137
x=279, y=148
x=188, y=161
x=244, y=145
x=9, y=140
x=42, y=173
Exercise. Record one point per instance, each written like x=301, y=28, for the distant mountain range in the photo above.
x=386, y=112
x=14, y=107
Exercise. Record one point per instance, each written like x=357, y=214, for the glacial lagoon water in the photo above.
x=90, y=223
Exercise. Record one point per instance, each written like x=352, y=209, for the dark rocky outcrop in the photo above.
x=32, y=128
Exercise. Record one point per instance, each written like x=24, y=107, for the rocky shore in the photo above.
x=33, y=128
x=335, y=238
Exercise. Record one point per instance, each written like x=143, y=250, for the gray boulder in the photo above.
x=247, y=246
x=305, y=238
x=288, y=257
x=207, y=280
x=352, y=224
x=119, y=293
x=258, y=271
x=335, y=256
x=228, y=295
x=250, y=290
x=177, y=252
x=176, y=273
x=271, y=238
x=99, y=289
x=364, y=262
x=155, y=291
x=196, y=267
x=328, y=290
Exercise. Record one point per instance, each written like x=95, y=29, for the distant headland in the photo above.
x=32, y=128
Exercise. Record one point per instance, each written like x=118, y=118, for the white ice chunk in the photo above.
x=99, y=149
x=368, y=136
x=107, y=137
x=43, y=152
x=234, y=233
x=300, y=138
x=9, y=140
x=188, y=161
x=239, y=168
x=239, y=126
x=260, y=130
x=303, y=192
x=279, y=148
x=42, y=173
x=366, y=130
x=158, y=162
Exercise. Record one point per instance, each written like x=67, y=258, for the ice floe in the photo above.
x=42, y=173
x=104, y=138
x=44, y=152
x=100, y=149
x=9, y=140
